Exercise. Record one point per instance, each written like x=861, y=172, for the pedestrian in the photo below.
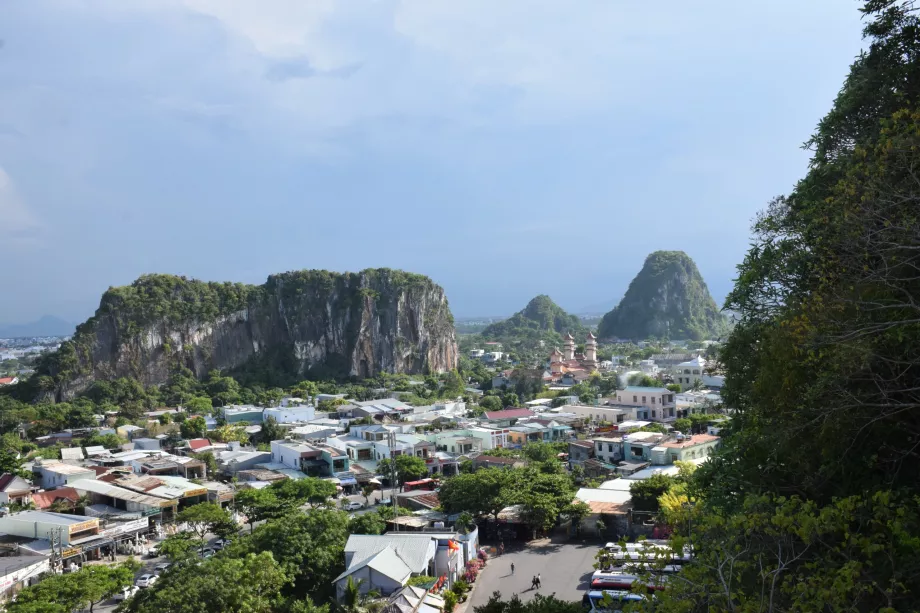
x=539, y=581
x=501, y=548
x=533, y=583
x=512, y=568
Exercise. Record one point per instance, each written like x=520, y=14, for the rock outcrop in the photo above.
x=357, y=324
x=668, y=298
x=540, y=316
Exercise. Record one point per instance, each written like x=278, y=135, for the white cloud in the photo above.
x=18, y=226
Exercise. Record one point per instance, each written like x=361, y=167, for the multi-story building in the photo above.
x=658, y=400
x=608, y=449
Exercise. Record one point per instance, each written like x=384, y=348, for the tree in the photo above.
x=204, y=518
x=367, y=523
x=484, y=492
x=296, y=492
x=200, y=405
x=63, y=593
x=165, y=419
x=210, y=462
x=308, y=545
x=491, y=403
x=248, y=584
x=646, y=492
x=510, y=399
x=577, y=512
x=538, y=604
x=366, y=491
x=9, y=463
x=305, y=389
x=179, y=547
x=194, y=428
x=540, y=452
x=408, y=467
x=258, y=505
x=271, y=431
x=683, y=425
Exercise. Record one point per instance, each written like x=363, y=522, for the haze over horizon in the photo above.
x=505, y=150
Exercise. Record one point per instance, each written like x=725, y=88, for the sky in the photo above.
x=506, y=149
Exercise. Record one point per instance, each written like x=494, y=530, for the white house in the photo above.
x=648, y=367
x=384, y=563
x=686, y=373
x=291, y=414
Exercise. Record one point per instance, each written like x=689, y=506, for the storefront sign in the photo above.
x=198, y=492
x=125, y=527
x=73, y=551
x=85, y=525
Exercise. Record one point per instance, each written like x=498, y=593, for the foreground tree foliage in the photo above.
x=812, y=504
x=85, y=588
x=249, y=584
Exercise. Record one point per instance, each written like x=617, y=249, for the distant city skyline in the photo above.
x=503, y=149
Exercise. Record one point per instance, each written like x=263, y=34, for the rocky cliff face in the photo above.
x=667, y=298
x=357, y=324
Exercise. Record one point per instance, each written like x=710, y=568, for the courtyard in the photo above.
x=564, y=567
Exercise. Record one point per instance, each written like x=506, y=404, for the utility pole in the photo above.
x=391, y=443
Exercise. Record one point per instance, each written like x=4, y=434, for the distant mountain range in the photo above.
x=47, y=325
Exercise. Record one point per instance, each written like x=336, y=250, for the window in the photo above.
x=653, y=400
x=653, y=414
x=634, y=399
x=644, y=400
x=610, y=447
x=696, y=372
x=619, y=399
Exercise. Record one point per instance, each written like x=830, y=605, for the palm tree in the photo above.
x=351, y=597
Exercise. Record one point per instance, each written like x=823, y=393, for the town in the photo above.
x=147, y=496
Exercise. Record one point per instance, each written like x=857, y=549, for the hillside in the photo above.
x=542, y=319
x=667, y=298
x=47, y=325
x=336, y=324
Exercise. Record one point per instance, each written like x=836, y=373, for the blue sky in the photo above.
x=506, y=149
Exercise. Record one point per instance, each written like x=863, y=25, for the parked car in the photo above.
x=207, y=553
x=353, y=506
x=161, y=568
x=220, y=544
x=153, y=552
x=126, y=593
x=145, y=580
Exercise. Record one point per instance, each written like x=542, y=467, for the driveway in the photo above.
x=565, y=569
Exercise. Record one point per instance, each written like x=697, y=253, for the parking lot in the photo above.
x=564, y=567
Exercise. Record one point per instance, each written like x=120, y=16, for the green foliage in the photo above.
x=108, y=441
x=655, y=427
x=646, y=492
x=307, y=545
x=422, y=580
x=196, y=427
x=541, y=319
x=408, y=467
x=688, y=312
x=491, y=403
x=538, y=604
x=86, y=587
x=206, y=517
x=367, y=523
x=200, y=405
x=179, y=547
x=643, y=380
x=246, y=584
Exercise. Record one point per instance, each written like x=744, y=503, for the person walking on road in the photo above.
x=539, y=581
x=512, y=568
x=533, y=583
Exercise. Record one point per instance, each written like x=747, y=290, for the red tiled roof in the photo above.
x=199, y=443
x=6, y=380
x=509, y=414
x=698, y=439
x=429, y=500
x=491, y=459
x=44, y=500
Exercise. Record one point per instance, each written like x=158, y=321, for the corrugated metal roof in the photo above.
x=119, y=493
x=72, y=453
x=598, y=495
x=386, y=562
x=413, y=551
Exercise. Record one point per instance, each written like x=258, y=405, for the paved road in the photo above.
x=565, y=569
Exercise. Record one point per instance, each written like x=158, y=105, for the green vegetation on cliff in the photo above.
x=161, y=323
x=813, y=503
x=668, y=298
x=541, y=320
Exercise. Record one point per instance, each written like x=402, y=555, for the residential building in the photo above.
x=579, y=451
x=108, y=497
x=638, y=446
x=684, y=448
x=149, y=444
x=522, y=434
x=455, y=443
x=291, y=414
x=648, y=367
x=505, y=418
x=14, y=489
x=8, y=380
x=658, y=400
x=687, y=373
x=596, y=414
x=232, y=462
x=314, y=460
x=385, y=563
x=56, y=474
x=491, y=437
x=248, y=413
x=608, y=449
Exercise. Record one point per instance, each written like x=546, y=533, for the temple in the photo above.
x=567, y=361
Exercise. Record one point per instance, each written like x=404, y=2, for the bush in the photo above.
x=450, y=602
